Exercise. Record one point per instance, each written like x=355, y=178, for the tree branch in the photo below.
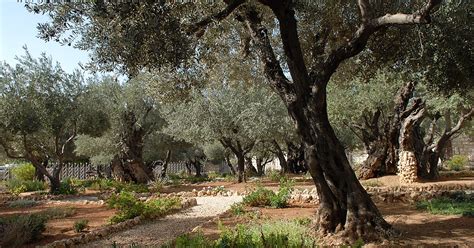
x=370, y=26
x=200, y=27
x=271, y=65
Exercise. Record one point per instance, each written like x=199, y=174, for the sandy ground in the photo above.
x=158, y=232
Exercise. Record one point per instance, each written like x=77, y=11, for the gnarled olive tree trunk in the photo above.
x=345, y=207
x=381, y=140
x=129, y=166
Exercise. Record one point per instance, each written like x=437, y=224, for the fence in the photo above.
x=88, y=170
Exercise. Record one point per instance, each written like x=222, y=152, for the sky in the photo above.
x=18, y=28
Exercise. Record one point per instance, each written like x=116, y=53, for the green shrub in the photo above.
x=237, y=208
x=66, y=187
x=457, y=162
x=460, y=203
x=280, y=199
x=80, y=225
x=22, y=203
x=274, y=175
x=17, y=186
x=264, y=197
x=24, y=172
x=160, y=207
x=18, y=230
x=129, y=206
x=259, y=198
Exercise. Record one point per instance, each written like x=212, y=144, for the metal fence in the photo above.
x=88, y=170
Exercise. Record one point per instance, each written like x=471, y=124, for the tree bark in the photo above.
x=281, y=158
x=229, y=164
x=130, y=166
x=408, y=161
x=164, y=168
x=382, y=145
x=240, y=168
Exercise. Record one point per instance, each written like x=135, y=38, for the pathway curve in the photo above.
x=158, y=232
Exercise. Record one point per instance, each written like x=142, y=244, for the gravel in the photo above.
x=160, y=231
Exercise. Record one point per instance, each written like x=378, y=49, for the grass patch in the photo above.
x=22, y=203
x=80, y=225
x=460, y=203
x=21, y=229
x=269, y=234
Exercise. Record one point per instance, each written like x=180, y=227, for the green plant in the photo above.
x=460, y=203
x=264, y=197
x=24, y=172
x=58, y=212
x=457, y=162
x=269, y=234
x=129, y=206
x=188, y=240
x=17, y=186
x=156, y=186
x=22, y=203
x=280, y=200
x=18, y=230
x=274, y=175
x=372, y=183
x=259, y=198
x=237, y=208
x=80, y=225
x=66, y=187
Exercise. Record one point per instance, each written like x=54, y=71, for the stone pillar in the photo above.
x=407, y=167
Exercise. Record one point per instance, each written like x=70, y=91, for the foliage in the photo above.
x=16, y=186
x=237, y=208
x=80, y=225
x=21, y=229
x=22, y=203
x=461, y=203
x=372, y=183
x=280, y=199
x=259, y=198
x=66, y=187
x=24, y=172
x=274, y=175
x=269, y=234
x=58, y=212
x=457, y=162
x=129, y=206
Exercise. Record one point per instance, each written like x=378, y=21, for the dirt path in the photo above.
x=163, y=230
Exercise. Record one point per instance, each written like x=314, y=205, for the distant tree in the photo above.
x=133, y=117
x=42, y=111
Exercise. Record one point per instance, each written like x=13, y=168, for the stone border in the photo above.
x=107, y=230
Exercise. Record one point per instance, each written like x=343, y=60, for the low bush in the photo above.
x=460, y=203
x=66, y=187
x=129, y=206
x=58, y=212
x=17, y=186
x=274, y=175
x=19, y=230
x=457, y=162
x=80, y=225
x=262, y=197
x=269, y=234
x=22, y=203
x=24, y=172
x=237, y=208
x=259, y=197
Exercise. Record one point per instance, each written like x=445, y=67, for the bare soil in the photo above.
x=62, y=228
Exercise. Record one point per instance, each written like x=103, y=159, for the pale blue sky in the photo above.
x=18, y=28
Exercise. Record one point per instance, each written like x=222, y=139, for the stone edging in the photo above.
x=107, y=230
